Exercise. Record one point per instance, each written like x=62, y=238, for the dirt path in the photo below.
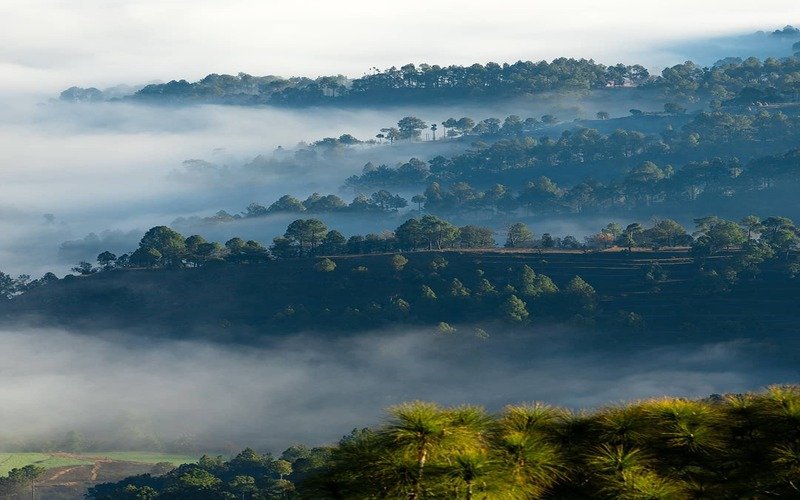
x=71, y=482
x=59, y=472
x=96, y=469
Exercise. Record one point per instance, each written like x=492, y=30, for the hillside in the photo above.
x=69, y=475
x=242, y=303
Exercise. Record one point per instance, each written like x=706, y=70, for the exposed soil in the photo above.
x=71, y=482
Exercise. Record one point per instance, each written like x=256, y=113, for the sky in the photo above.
x=47, y=45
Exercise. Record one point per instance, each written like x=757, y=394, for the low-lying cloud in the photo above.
x=119, y=167
x=313, y=389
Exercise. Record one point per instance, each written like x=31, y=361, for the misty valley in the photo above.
x=563, y=279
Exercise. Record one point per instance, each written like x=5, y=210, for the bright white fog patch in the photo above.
x=313, y=390
x=113, y=167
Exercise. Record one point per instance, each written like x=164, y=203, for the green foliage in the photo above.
x=519, y=236
x=399, y=262
x=535, y=285
x=307, y=234
x=667, y=233
x=485, y=287
x=457, y=289
x=145, y=257
x=734, y=447
x=428, y=293
x=438, y=263
x=481, y=334
x=514, y=309
x=654, y=274
x=411, y=127
x=402, y=306
x=369, y=295
x=325, y=265
x=164, y=244
x=471, y=236
x=248, y=474
x=581, y=295
x=445, y=328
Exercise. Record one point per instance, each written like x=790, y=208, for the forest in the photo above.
x=560, y=278
x=430, y=272
x=731, y=446
x=708, y=162
x=730, y=81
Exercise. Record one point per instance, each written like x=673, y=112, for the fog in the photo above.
x=313, y=389
x=76, y=179
x=81, y=177
x=120, y=167
x=706, y=51
x=106, y=172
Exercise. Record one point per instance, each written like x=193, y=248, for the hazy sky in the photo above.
x=50, y=44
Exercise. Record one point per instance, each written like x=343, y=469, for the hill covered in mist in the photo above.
x=730, y=78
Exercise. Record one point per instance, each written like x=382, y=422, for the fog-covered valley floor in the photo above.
x=310, y=389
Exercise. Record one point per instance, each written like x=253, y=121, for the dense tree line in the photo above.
x=732, y=446
x=165, y=247
x=731, y=80
x=736, y=277
x=410, y=83
x=645, y=185
x=21, y=482
x=247, y=475
x=705, y=134
x=737, y=446
x=380, y=202
x=407, y=286
x=11, y=287
x=649, y=180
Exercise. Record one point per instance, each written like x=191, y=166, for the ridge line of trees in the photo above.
x=165, y=247
x=732, y=80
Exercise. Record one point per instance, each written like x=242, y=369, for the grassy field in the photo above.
x=144, y=457
x=10, y=461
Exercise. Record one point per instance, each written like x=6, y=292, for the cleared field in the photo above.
x=10, y=461
x=70, y=474
x=145, y=457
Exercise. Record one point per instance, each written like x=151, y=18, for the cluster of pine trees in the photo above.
x=731, y=80
x=737, y=446
x=721, y=447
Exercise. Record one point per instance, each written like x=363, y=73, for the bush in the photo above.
x=325, y=265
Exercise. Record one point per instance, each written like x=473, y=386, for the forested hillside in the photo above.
x=199, y=266
x=732, y=80
x=733, y=446
x=664, y=291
